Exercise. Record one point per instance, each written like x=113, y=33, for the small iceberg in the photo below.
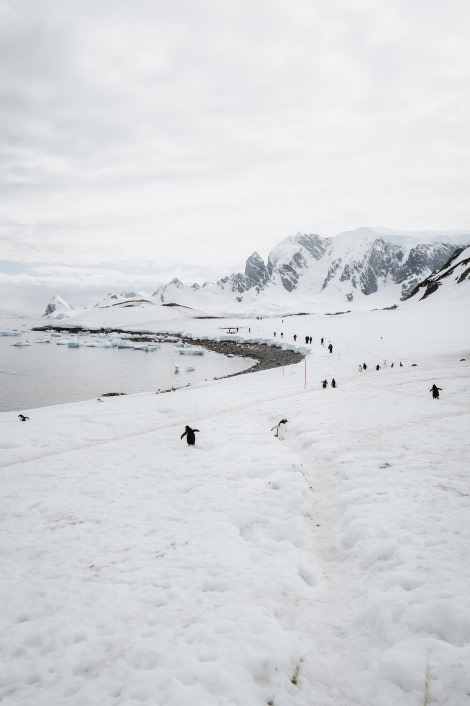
x=191, y=351
x=21, y=343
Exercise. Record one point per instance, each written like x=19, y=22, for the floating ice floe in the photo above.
x=191, y=351
x=147, y=347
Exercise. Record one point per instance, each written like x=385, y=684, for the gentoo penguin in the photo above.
x=281, y=429
x=190, y=436
x=22, y=417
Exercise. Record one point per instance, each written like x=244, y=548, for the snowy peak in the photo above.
x=256, y=272
x=364, y=266
x=295, y=254
x=58, y=308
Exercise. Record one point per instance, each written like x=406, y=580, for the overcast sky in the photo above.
x=147, y=139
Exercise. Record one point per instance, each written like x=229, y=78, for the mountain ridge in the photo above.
x=348, y=267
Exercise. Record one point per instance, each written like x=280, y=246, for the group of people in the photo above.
x=309, y=339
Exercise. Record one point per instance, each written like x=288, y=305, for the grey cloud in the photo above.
x=127, y=128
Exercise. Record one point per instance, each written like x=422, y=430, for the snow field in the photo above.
x=166, y=551
x=329, y=568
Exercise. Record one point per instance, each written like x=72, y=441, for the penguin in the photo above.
x=190, y=436
x=280, y=429
x=22, y=417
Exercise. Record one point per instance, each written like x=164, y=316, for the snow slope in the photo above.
x=330, y=568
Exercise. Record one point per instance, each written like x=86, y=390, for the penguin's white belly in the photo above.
x=281, y=432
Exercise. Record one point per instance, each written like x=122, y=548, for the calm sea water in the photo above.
x=43, y=374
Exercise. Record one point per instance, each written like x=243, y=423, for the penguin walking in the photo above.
x=281, y=429
x=190, y=435
x=22, y=417
x=435, y=391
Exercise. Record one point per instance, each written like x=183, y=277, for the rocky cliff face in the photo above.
x=57, y=308
x=455, y=272
x=358, y=264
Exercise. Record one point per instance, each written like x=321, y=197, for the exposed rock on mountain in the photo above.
x=455, y=271
x=306, y=268
x=58, y=308
x=122, y=299
x=351, y=264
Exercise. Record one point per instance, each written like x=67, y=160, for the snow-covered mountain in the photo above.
x=346, y=267
x=123, y=299
x=305, y=271
x=455, y=271
x=58, y=308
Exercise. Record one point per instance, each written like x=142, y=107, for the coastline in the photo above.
x=266, y=356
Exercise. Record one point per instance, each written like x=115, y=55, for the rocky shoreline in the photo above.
x=266, y=356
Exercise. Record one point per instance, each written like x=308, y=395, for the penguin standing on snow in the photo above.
x=281, y=429
x=190, y=435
